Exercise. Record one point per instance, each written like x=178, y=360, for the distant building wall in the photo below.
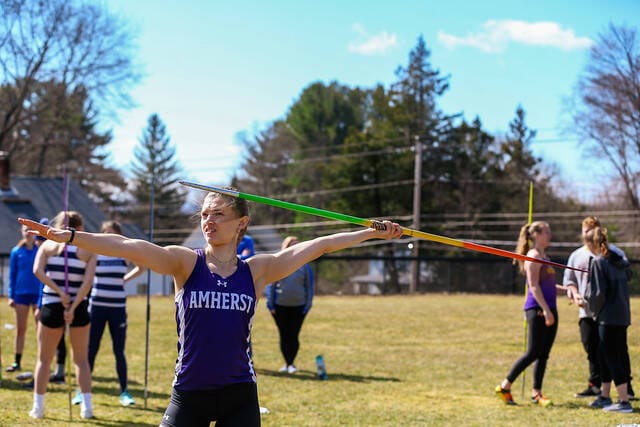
x=160, y=284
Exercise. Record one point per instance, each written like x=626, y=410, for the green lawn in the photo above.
x=393, y=361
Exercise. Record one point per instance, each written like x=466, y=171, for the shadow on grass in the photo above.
x=99, y=422
x=303, y=375
x=110, y=379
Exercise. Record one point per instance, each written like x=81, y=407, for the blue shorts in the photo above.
x=26, y=299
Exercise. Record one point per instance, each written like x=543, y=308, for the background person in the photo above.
x=289, y=301
x=108, y=307
x=577, y=288
x=58, y=265
x=24, y=290
x=246, y=248
x=61, y=351
x=215, y=297
x=540, y=311
x=608, y=298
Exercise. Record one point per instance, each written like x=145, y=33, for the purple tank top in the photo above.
x=548, y=286
x=214, y=316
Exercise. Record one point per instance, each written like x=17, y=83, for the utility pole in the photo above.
x=417, y=201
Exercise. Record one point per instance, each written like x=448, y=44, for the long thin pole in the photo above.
x=374, y=224
x=146, y=352
x=67, y=332
x=417, y=202
x=524, y=342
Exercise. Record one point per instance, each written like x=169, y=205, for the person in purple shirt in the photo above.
x=540, y=311
x=215, y=298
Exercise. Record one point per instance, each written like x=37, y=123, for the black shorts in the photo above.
x=52, y=315
x=232, y=405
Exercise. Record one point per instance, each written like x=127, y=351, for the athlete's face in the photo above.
x=219, y=221
x=544, y=236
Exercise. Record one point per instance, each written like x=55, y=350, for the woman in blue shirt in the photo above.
x=24, y=289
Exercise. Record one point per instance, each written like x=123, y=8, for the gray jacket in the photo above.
x=608, y=293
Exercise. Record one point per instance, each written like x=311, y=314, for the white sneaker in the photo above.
x=86, y=413
x=292, y=369
x=284, y=368
x=36, y=412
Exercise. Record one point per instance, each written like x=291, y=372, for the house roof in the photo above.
x=35, y=198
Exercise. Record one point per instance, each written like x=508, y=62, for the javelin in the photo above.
x=374, y=224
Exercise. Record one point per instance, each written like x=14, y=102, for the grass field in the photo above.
x=392, y=361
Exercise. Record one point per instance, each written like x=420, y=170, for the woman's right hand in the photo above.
x=49, y=233
x=11, y=302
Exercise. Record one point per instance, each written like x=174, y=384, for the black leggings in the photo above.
x=590, y=340
x=289, y=321
x=539, y=342
x=614, y=362
x=231, y=406
x=116, y=318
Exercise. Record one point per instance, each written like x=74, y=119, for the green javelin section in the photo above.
x=281, y=204
x=306, y=209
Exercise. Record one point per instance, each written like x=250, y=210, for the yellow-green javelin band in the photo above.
x=369, y=223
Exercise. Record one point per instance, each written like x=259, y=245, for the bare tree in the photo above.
x=74, y=44
x=606, y=107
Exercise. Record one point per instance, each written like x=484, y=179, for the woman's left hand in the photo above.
x=391, y=230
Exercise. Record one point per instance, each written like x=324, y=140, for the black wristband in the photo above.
x=73, y=234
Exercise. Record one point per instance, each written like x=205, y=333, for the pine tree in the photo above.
x=156, y=172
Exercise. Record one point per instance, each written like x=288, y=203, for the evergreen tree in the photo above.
x=155, y=171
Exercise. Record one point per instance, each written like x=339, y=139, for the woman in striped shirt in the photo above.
x=108, y=306
x=67, y=274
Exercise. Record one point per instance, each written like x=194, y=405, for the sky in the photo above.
x=214, y=70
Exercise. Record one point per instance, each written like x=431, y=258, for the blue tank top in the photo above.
x=213, y=317
x=547, y=282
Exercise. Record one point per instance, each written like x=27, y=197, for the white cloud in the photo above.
x=496, y=35
x=372, y=44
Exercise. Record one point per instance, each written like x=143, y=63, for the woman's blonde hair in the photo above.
x=114, y=225
x=598, y=237
x=67, y=218
x=526, y=235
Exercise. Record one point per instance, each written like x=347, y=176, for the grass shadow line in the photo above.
x=303, y=375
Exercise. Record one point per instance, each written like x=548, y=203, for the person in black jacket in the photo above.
x=608, y=299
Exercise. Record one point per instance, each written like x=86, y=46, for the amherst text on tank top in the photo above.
x=214, y=316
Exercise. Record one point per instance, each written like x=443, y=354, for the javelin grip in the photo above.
x=378, y=225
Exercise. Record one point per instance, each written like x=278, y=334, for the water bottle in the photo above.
x=321, y=368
